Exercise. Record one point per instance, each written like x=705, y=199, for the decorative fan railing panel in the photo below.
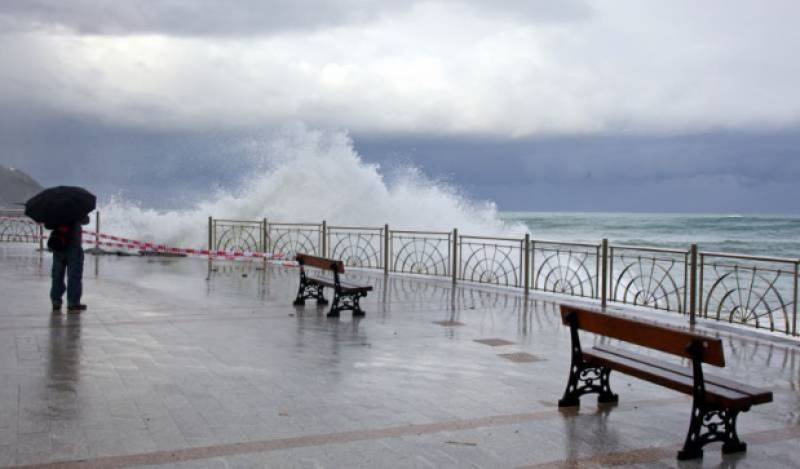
x=236, y=235
x=566, y=268
x=356, y=246
x=651, y=277
x=753, y=291
x=496, y=261
x=420, y=252
x=18, y=229
x=290, y=238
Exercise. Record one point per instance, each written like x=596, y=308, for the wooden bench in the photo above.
x=716, y=401
x=346, y=295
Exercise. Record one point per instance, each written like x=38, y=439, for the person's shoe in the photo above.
x=76, y=308
x=56, y=307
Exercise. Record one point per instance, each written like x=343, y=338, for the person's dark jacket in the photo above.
x=64, y=237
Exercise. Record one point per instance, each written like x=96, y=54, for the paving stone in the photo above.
x=494, y=342
x=520, y=357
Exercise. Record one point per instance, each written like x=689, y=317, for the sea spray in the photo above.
x=306, y=175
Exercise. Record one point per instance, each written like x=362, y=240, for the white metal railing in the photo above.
x=755, y=291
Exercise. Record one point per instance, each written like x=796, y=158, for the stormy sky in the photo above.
x=616, y=105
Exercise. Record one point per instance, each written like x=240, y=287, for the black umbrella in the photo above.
x=62, y=205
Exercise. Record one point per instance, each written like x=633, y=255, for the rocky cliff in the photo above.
x=16, y=187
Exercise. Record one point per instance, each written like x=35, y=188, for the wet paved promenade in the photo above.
x=171, y=369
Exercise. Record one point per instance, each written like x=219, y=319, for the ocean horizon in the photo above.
x=758, y=235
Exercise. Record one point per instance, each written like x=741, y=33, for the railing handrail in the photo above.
x=442, y=233
x=747, y=268
x=360, y=228
x=727, y=255
x=248, y=222
x=648, y=249
x=565, y=243
x=493, y=238
x=281, y=224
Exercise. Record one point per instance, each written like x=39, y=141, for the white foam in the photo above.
x=307, y=176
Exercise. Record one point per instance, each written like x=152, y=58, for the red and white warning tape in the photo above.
x=107, y=240
x=126, y=243
x=23, y=237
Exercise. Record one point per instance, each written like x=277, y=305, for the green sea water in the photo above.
x=761, y=235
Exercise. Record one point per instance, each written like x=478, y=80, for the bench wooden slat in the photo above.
x=344, y=286
x=757, y=395
x=676, y=381
x=321, y=281
x=320, y=262
x=665, y=338
x=360, y=288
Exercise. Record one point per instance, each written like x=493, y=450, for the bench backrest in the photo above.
x=320, y=262
x=668, y=339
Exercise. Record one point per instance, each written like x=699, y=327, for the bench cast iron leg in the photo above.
x=320, y=297
x=308, y=290
x=587, y=379
x=345, y=302
x=583, y=377
x=357, y=311
x=709, y=425
x=335, y=308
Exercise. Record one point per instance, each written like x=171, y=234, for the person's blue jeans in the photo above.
x=69, y=262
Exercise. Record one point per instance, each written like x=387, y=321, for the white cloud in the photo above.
x=433, y=67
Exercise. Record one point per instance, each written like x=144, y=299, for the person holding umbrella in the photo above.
x=63, y=210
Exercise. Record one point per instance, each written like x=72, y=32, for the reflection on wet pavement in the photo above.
x=179, y=364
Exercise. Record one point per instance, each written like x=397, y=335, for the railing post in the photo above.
x=700, y=277
x=527, y=264
x=598, y=272
x=267, y=240
x=604, y=278
x=386, y=249
x=611, y=286
x=693, y=284
x=210, y=239
x=324, y=238
x=794, y=315
x=533, y=264
x=455, y=255
x=686, y=281
x=97, y=230
x=264, y=240
x=41, y=240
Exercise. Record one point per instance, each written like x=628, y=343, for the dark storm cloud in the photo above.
x=750, y=156
x=158, y=169
x=710, y=172
x=720, y=171
x=242, y=17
